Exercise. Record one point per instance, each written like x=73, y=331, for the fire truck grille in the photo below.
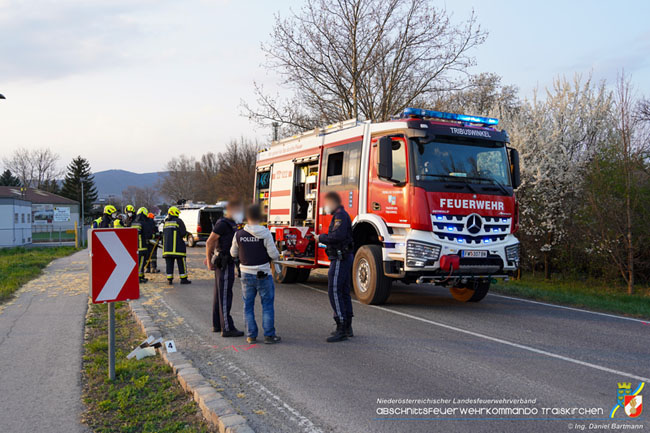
x=489, y=265
x=471, y=229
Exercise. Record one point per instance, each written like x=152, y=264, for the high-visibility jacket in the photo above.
x=103, y=222
x=173, y=233
x=117, y=224
x=144, y=232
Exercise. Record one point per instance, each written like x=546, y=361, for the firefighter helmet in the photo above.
x=109, y=209
x=143, y=210
x=129, y=208
x=174, y=211
x=151, y=215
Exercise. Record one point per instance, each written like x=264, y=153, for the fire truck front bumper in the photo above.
x=419, y=256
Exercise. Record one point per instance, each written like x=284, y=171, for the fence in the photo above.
x=48, y=233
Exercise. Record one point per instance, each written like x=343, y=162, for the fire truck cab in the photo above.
x=430, y=195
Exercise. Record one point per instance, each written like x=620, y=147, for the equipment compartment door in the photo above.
x=340, y=167
x=389, y=198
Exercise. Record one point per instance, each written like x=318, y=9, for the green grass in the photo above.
x=591, y=295
x=19, y=265
x=53, y=237
x=145, y=396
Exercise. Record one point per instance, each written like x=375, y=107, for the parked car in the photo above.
x=199, y=222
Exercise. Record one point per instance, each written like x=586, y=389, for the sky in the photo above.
x=129, y=84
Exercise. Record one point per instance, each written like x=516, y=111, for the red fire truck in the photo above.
x=430, y=195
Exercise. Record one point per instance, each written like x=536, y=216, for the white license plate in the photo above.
x=481, y=254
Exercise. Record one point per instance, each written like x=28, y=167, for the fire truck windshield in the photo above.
x=478, y=162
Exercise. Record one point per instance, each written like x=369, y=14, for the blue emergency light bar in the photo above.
x=420, y=112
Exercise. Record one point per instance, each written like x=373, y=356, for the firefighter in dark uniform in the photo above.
x=218, y=258
x=174, y=249
x=152, y=253
x=106, y=220
x=129, y=212
x=144, y=234
x=339, y=242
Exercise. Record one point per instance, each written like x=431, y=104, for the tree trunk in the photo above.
x=629, y=243
x=547, y=266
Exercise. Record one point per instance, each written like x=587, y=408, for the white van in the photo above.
x=199, y=221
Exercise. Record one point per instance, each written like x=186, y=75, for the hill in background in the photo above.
x=113, y=182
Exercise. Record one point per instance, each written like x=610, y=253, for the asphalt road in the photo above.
x=421, y=345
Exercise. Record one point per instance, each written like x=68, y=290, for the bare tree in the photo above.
x=643, y=110
x=237, y=170
x=35, y=168
x=629, y=147
x=207, y=188
x=141, y=196
x=181, y=180
x=365, y=59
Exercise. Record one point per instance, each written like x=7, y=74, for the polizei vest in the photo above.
x=252, y=251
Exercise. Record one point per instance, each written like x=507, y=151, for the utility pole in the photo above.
x=82, y=209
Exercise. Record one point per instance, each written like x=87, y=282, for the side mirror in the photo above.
x=385, y=158
x=514, y=167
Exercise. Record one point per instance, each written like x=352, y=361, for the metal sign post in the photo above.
x=111, y=341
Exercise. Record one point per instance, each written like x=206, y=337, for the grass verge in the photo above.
x=145, y=396
x=593, y=296
x=19, y=265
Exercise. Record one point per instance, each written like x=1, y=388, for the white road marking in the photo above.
x=571, y=308
x=274, y=400
x=501, y=341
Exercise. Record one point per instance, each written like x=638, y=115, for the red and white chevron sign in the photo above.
x=113, y=265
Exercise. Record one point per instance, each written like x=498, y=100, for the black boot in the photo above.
x=348, y=327
x=232, y=333
x=169, y=281
x=185, y=281
x=338, y=323
x=339, y=334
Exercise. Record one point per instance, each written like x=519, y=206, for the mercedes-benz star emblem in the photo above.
x=474, y=224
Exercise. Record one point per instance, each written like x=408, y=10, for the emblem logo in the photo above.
x=474, y=223
x=630, y=401
x=392, y=200
x=633, y=405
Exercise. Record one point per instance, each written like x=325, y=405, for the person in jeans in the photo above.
x=255, y=248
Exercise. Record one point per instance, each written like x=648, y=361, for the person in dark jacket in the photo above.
x=174, y=249
x=144, y=234
x=129, y=215
x=339, y=243
x=106, y=220
x=218, y=259
x=152, y=246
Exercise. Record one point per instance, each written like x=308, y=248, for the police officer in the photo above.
x=144, y=234
x=339, y=250
x=174, y=246
x=129, y=211
x=106, y=220
x=255, y=248
x=218, y=259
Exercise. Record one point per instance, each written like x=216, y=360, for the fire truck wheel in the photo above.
x=302, y=275
x=286, y=276
x=472, y=291
x=190, y=241
x=371, y=286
